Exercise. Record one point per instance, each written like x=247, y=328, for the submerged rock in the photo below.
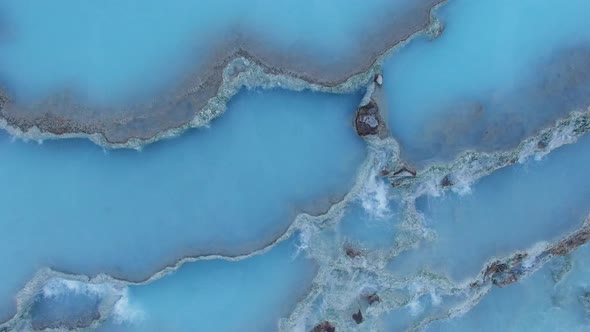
x=504, y=279
x=495, y=267
x=352, y=252
x=541, y=144
x=368, y=120
x=585, y=301
x=358, y=317
x=83, y=321
x=560, y=267
x=324, y=326
x=446, y=181
x=502, y=273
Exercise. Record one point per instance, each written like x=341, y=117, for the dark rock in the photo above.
x=385, y=172
x=373, y=298
x=368, y=120
x=503, y=274
x=352, y=252
x=519, y=257
x=405, y=169
x=505, y=280
x=358, y=317
x=572, y=242
x=494, y=268
x=446, y=181
x=324, y=326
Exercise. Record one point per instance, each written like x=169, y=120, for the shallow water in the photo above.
x=511, y=209
x=249, y=295
x=486, y=86
x=65, y=305
x=116, y=51
x=318, y=228
x=130, y=213
x=369, y=221
x=358, y=227
x=535, y=304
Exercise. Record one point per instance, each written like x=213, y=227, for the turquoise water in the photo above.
x=114, y=51
x=535, y=304
x=306, y=224
x=249, y=295
x=369, y=222
x=130, y=213
x=511, y=209
x=358, y=228
x=499, y=72
x=64, y=309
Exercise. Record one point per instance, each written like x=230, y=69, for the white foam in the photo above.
x=126, y=313
x=463, y=183
x=113, y=298
x=415, y=307
x=373, y=197
x=429, y=187
x=435, y=298
x=58, y=287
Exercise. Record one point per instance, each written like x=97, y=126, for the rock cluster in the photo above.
x=368, y=120
x=373, y=298
x=358, y=317
x=324, y=326
x=572, y=242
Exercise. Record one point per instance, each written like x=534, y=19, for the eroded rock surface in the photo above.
x=368, y=120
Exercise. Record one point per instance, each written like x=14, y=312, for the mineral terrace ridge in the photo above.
x=206, y=90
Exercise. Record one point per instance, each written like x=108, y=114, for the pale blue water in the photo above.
x=535, y=304
x=68, y=309
x=500, y=71
x=511, y=209
x=249, y=295
x=358, y=237
x=367, y=231
x=131, y=213
x=115, y=51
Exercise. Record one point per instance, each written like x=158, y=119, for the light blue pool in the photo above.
x=305, y=224
x=499, y=72
x=250, y=295
x=227, y=189
x=111, y=51
x=509, y=210
x=534, y=304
